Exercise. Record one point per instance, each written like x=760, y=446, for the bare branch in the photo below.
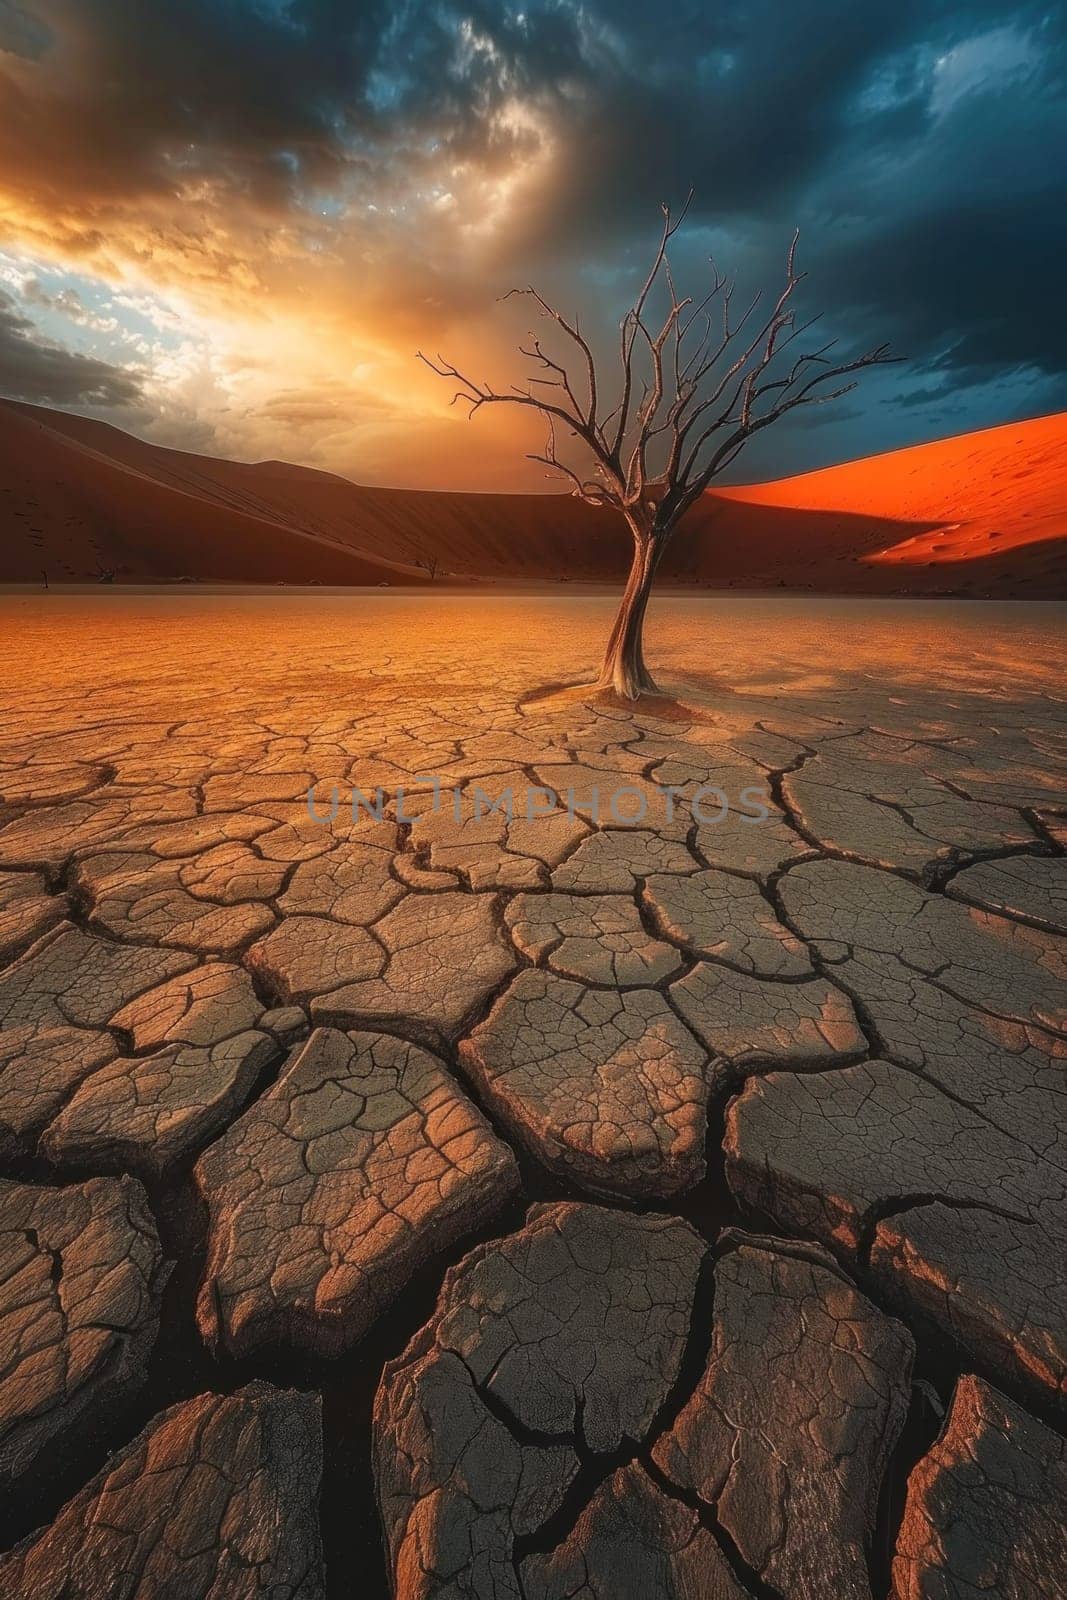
x=574, y=333
x=632, y=320
x=478, y=395
x=584, y=488
x=695, y=378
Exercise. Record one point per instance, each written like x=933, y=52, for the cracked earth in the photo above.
x=576, y=1206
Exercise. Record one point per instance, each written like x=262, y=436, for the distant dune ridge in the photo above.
x=981, y=514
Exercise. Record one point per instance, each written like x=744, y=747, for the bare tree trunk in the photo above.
x=624, y=667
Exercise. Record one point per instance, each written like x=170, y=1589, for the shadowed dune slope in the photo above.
x=88, y=502
x=983, y=513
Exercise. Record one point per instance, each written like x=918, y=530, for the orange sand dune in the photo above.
x=988, y=512
x=983, y=513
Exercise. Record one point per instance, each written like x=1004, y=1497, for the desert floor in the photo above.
x=659, y=1203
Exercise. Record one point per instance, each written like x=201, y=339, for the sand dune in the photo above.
x=85, y=503
x=983, y=513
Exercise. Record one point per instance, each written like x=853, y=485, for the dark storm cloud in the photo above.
x=976, y=289
x=271, y=95
x=933, y=211
x=167, y=91
x=748, y=100
x=22, y=34
x=960, y=255
x=31, y=369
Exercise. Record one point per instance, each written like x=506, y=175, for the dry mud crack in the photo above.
x=600, y=1205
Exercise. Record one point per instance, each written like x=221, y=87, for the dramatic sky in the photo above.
x=228, y=224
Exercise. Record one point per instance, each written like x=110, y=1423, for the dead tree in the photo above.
x=692, y=389
x=426, y=560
